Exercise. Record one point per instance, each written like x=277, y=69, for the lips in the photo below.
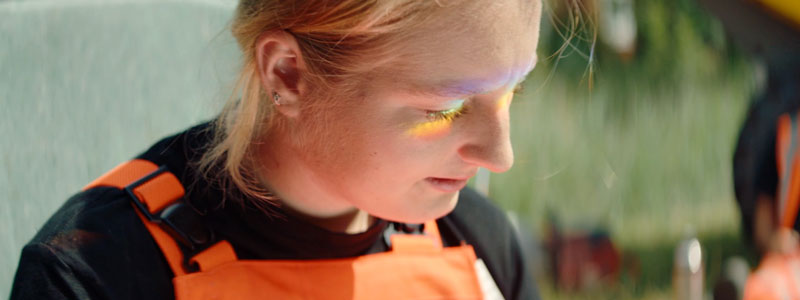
x=447, y=185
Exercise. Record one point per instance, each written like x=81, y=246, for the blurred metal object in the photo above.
x=687, y=273
x=736, y=270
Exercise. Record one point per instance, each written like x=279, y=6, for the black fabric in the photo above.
x=95, y=247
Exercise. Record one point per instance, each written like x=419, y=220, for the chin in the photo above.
x=432, y=209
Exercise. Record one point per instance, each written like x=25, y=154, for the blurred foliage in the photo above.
x=640, y=146
x=677, y=43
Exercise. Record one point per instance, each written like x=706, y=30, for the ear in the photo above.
x=280, y=63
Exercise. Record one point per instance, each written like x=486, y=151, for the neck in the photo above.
x=285, y=172
x=353, y=222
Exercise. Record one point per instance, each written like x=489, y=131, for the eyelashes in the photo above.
x=518, y=89
x=439, y=121
x=451, y=114
x=448, y=115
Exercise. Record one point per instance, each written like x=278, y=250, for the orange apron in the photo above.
x=417, y=266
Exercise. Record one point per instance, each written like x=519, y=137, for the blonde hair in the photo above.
x=340, y=40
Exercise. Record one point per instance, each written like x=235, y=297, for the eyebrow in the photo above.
x=456, y=88
x=464, y=87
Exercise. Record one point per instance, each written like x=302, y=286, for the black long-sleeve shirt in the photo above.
x=96, y=247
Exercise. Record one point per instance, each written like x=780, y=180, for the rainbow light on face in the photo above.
x=441, y=125
x=443, y=121
x=505, y=100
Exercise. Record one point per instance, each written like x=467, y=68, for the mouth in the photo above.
x=447, y=185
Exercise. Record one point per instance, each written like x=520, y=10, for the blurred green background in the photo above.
x=636, y=142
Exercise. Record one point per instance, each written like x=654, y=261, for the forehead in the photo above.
x=476, y=46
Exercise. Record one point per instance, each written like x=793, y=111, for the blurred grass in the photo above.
x=648, y=173
x=664, y=164
x=645, y=153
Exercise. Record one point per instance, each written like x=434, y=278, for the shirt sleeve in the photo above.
x=43, y=274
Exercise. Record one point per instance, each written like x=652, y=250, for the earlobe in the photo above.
x=279, y=64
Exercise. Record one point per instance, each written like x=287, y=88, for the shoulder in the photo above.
x=486, y=227
x=94, y=246
x=86, y=217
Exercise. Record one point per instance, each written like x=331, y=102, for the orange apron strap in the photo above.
x=154, y=193
x=220, y=253
x=788, y=160
x=428, y=242
x=168, y=246
x=159, y=192
x=123, y=174
x=432, y=231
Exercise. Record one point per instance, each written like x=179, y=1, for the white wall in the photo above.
x=85, y=85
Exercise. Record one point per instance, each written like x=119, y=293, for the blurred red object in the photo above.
x=582, y=259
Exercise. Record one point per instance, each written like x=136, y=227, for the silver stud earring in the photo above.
x=276, y=98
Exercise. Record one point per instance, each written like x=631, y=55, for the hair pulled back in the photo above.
x=340, y=41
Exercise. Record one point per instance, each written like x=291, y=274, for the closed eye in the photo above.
x=447, y=115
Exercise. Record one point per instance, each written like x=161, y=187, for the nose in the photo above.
x=488, y=142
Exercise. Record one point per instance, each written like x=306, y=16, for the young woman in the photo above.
x=337, y=169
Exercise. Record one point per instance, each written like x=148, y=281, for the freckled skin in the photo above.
x=373, y=154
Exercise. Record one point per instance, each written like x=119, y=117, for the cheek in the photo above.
x=330, y=141
x=429, y=130
x=365, y=146
x=395, y=158
x=382, y=147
